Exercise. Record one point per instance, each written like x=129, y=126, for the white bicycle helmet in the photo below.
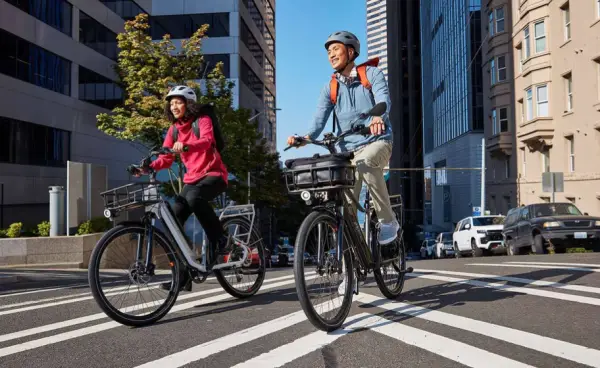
x=182, y=91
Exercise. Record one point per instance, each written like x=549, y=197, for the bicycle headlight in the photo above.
x=108, y=213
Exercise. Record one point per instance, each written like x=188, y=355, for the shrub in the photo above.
x=14, y=230
x=95, y=225
x=43, y=229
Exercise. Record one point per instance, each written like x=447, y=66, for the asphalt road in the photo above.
x=477, y=312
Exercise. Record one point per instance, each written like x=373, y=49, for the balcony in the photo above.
x=500, y=144
x=536, y=133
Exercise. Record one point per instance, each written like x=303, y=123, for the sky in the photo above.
x=302, y=68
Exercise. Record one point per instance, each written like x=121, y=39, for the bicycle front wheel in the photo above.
x=317, y=240
x=116, y=258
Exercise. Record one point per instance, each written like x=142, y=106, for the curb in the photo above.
x=68, y=265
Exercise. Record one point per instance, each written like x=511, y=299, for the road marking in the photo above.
x=547, y=345
x=514, y=289
x=557, y=264
x=97, y=316
x=535, y=266
x=519, y=280
x=468, y=355
x=209, y=348
x=108, y=325
x=41, y=290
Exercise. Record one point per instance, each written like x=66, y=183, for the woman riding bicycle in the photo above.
x=206, y=175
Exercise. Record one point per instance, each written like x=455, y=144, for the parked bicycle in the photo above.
x=147, y=252
x=322, y=182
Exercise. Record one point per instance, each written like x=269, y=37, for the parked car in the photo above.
x=443, y=245
x=428, y=248
x=560, y=225
x=282, y=255
x=478, y=235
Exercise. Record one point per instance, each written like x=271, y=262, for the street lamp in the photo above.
x=249, y=120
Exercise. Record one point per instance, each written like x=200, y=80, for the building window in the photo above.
x=524, y=162
x=99, y=90
x=251, y=80
x=252, y=44
x=97, y=37
x=501, y=68
x=30, y=63
x=571, y=154
x=57, y=14
x=184, y=26
x=269, y=71
x=545, y=160
x=493, y=71
x=126, y=9
x=503, y=119
x=521, y=57
x=491, y=23
x=499, y=20
x=494, y=122
x=526, y=42
x=569, y=91
x=211, y=60
x=529, y=107
x=542, y=100
x=540, y=37
x=25, y=143
x=567, y=21
x=271, y=14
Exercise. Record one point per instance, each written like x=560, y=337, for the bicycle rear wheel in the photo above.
x=250, y=277
x=390, y=276
x=164, y=265
x=320, y=227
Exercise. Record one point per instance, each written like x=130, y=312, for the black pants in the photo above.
x=195, y=198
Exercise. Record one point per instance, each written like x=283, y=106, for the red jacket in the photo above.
x=202, y=158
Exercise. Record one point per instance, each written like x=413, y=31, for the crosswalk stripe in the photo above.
x=549, y=267
x=547, y=345
x=519, y=280
x=209, y=348
x=514, y=289
x=108, y=325
x=468, y=355
x=80, y=299
x=558, y=264
x=97, y=316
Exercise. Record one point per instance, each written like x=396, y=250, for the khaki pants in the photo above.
x=370, y=162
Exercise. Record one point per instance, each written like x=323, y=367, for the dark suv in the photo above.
x=540, y=225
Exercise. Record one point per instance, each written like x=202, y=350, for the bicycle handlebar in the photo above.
x=145, y=162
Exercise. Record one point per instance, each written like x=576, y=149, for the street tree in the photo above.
x=146, y=69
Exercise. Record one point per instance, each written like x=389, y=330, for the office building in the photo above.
x=242, y=36
x=499, y=106
x=377, y=33
x=55, y=76
x=452, y=108
x=404, y=81
x=557, y=100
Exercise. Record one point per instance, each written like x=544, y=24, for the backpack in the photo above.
x=361, y=70
x=208, y=110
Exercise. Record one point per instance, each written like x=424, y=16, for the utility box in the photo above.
x=57, y=210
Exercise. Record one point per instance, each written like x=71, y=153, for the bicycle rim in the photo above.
x=129, y=296
x=334, y=307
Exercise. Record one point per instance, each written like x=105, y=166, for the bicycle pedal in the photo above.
x=408, y=270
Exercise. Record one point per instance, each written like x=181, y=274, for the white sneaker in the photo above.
x=342, y=287
x=388, y=232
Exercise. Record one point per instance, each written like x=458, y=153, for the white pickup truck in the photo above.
x=478, y=235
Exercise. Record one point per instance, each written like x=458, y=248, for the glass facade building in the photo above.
x=452, y=97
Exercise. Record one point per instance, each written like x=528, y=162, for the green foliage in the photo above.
x=2, y=234
x=95, y=225
x=14, y=230
x=43, y=228
x=147, y=70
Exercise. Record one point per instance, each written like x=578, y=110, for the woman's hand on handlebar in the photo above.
x=178, y=147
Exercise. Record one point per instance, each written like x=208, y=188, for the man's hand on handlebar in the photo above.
x=377, y=127
x=297, y=141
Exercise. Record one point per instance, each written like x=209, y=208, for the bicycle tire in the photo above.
x=309, y=222
x=94, y=272
x=394, y=293
x=262, y=268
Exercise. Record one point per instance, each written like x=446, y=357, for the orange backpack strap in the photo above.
x=333, y=86
x=361, y=70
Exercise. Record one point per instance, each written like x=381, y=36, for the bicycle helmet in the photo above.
x=182, y=91
x=345, y=37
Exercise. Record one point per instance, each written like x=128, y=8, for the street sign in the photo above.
x=553, y=182
x=476, y=211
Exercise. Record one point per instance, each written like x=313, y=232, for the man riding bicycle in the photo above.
x=351, y=98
